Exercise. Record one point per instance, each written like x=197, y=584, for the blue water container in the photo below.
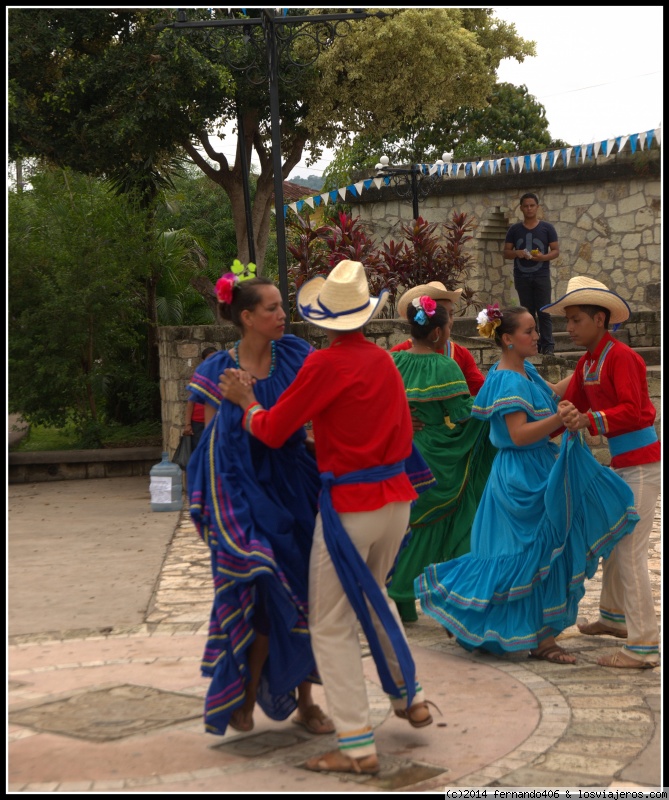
x=165, y=486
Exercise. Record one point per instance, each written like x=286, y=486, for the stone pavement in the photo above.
x=121, y=711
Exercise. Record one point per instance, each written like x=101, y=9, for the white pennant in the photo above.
x=499, y=164
x=359, y=187
x=597, y=147
x=623, y=142
x=568, y=158
x=342, y=192
x=544, y=156
x=479, y=167
x=521, y=163
x=658, y=138
x=309, y=201
x=294, y=207
x=433, y=170
x=325, y=198
x=609, y=146
x=378, y=182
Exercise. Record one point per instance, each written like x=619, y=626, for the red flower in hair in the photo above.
x=224, y=287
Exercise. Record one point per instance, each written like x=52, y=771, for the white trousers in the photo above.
x=626, y=600
x=333, y=625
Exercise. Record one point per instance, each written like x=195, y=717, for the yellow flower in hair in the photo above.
x=488, y=321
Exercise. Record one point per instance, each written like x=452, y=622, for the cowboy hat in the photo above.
x=340, y=302
x=582, y=291
x=435, y=289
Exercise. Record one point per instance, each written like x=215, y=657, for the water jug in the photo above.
x=165, y=486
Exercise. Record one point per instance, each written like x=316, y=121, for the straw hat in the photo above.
x=582, y=291
x=340, y=302
x=435, y=289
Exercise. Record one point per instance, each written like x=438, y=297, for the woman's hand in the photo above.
x=237, y=387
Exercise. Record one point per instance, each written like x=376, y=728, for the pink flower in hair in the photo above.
x=429, y=305
x=224, y=287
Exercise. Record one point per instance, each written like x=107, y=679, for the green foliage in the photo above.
x=69, y=437
x=76, y=269
x=105, y=92
x=424, y=255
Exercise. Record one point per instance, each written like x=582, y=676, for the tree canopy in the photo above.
x=103, y=90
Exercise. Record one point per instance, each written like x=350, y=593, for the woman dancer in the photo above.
x=456, y=448
x=255, y=507
x=543, y=521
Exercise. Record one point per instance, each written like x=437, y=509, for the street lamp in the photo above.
x=255, y=47
x=406, y=181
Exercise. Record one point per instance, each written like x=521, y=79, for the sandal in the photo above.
x=336, y=761
x=620, y=659
x=315, y=720
x=414, y=715
x=598, y=628
x=553, y=653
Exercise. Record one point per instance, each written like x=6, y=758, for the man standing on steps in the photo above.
x=531, y=244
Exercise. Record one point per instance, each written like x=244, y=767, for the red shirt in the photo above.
x=197, y=414
x=353, y=393
x=463, y=358
x=610, y=386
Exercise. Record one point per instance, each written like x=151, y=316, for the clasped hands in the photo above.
x=571, y=417
x=237, y=387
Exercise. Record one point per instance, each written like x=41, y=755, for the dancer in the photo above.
x=254, y=507
x=364, y=506
x=456, y=448
x=609, y=392
x=461, y=355
x=542, y=523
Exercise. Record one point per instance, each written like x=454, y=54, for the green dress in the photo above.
x=458, y=451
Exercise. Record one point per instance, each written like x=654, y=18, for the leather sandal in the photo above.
x=622, y=660
x=416, y=714
x=553, y=653
x=598, y=628
x=336, y=761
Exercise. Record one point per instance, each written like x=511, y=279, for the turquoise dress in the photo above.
x=545, y=518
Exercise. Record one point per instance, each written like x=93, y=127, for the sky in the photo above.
x=597, y=72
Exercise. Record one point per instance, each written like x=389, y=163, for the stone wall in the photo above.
x=180, y=349
x=607, y=214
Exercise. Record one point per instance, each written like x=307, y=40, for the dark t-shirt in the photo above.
x=538, y=238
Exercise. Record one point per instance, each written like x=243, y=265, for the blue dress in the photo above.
x=545, y=518
x=254, y=506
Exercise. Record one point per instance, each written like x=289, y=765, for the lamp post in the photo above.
x=406, y=181
x=256, y=47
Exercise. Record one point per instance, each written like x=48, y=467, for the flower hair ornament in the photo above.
x=489, y=320
x=225, y=284
x=425, y=306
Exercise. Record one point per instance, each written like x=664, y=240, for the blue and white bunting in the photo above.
x=549, y=159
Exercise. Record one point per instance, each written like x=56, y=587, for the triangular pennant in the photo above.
x=325, y=197
x=588, y=151
x=641, y=139
x=609, y=146
x=468, y=168
x=299, y=205
x=577, y=153
x=499, y=164
x=293, y=206
x=520, y=163
x=633, y=140
x=433, y=169
x=368, y=183
x=597, y=146
x=352, y=190
x=333, y=195
x=342, y=192
x=318, y=199
x=658, y=135
x=309, y=201
x=551, y=158
x=542, y=159
x=528, y=163
x=621, y=141
x=649, y=139
x=479, y=167
x=358, y=187
x=566, y=155
x=378, y=182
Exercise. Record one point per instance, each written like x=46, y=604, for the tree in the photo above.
x=513, y=121
x=75, y=298
x=99, y=89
